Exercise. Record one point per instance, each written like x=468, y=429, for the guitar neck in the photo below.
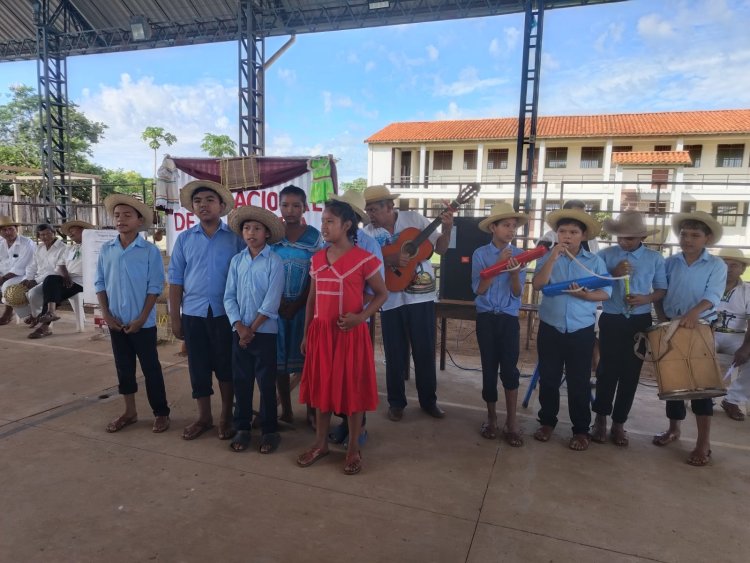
x=425, y=234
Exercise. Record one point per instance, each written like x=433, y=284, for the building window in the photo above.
x=557, y=157
x=657, y=207
x=726, y=213
x=470, y=159
x=442, y=160
x=695, y=154
x=622, y=148
x=497, y=159
x=592, y=157
x=687, y=207
x=730, y=156
x=663, y=148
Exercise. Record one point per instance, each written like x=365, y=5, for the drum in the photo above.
x=685, y=360
x=15, y=295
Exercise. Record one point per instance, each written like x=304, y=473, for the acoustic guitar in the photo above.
x=416, y=244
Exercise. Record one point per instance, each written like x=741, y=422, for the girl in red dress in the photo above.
x=339, y=370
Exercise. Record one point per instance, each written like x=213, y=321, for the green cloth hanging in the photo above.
x=322, y=184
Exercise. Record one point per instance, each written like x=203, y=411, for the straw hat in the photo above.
x=378, y=193
x=628, y=224
x=593, y=227
x=15, y=295
x=187, y=191
x=357, y=202
x=734, y=254
x=113, y=200
x=6, y=221
x=500, y=211
x=254, y=213
x=65, y=228
x=714, y=226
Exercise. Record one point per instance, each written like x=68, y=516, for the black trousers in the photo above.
x=209, y=347
x=257, y=362
x=619, y=368
x=414, y=324
x=570, y=353
x=54, y=291
x=141, y=344
x=498, y=336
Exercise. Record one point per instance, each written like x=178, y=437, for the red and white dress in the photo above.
x=339, y=371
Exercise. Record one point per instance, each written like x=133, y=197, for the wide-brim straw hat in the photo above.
x=502, y=210
x=187, y=191
x=714, y=226
x=6, y=221
x=113, y=200
x=734, y=254
x=628, y=224
x=357, y=202
x=593, y=227
x=65, y=227
x=16, y=295
x=378, y=193
x=254, y=213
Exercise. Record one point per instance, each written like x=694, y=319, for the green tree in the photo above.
x=155, y=136
x=218, y=145
x=358, y=185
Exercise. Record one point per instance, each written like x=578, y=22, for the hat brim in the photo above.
x=357, y=209
x=741, y=258
x=113, y=200
x=252, y=213
x=613, y=228
x=484, y=224
x=382, y=197
x=65, y=227
x=717, y=231
x=593, y=227
x=187, y=191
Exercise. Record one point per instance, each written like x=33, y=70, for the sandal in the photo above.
x=488, y=431
x=665, y=438
x=599, y=433
x=226, y=431
x=698, y=460
x=732, y=410
x=40, y=332
x=512, y=438
x=579, y=442
x=192, y=431
x=269, y=443
x=544, y=433
x=121, y=422
x=241, y=441
x=161, y=424
x=31, y=320
x=47, y=318
x=312, y=455
x=619, y=438
x=353, y=464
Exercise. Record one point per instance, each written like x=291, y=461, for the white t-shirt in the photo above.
x=45, y=261
x=17, y=257
x=734, y=309
x=73, y=262
x=404, y=220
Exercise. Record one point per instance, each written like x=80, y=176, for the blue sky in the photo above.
x=331, y=91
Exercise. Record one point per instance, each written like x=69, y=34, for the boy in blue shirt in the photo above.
x=255, y=284
x=623, y=316
x=696, y=284
x=498, y=332
x=129, y=278
x=565, y=341
x=197, y=278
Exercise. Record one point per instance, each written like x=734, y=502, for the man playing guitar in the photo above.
x=408, y=316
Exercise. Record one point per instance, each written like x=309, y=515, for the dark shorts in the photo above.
x=209, y=348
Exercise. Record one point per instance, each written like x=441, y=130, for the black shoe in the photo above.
x=395, y=414
x=434, y=410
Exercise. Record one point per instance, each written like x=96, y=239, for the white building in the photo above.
x=660, y=163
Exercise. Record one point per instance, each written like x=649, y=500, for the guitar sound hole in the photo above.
x=409, y=249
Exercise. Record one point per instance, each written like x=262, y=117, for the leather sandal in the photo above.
x=311, y=456
x=353, y=464
x=121, y=422
x=732, y=410
x=161, y=424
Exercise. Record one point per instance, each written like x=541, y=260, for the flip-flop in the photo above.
x=543, y=433
x=354, y=465
x=665, y=438
x=511, y=438
x=312, y=455
x=698, y=461
x=579, y=442
x=192, y=431
x=119, y=423
x=487, y=432
x=269, y=443
x=241, y=441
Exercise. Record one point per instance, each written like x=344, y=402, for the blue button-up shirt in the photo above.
x=499, y=297
x=254, y=287
x=128, y=276
x=706, y=278
x=565, y=312
x=199, y=264
x=647, y=273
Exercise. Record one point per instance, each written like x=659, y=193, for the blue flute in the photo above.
x=591, y=282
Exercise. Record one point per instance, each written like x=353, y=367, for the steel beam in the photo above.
x=251, y=81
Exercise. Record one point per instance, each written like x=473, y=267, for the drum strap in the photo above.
x=642, y=343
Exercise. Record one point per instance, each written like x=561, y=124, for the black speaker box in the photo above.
x=455, y=264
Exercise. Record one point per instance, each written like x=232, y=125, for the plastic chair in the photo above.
x=76, y=303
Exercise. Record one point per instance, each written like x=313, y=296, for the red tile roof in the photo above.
x=652, y=157
x=615, y=125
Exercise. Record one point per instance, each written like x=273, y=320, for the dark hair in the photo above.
x=574, y=204
x=695, y=224
x=43, y=227
x=295, y=191
x=344, y=211
x=569, y=221
x=206, y=189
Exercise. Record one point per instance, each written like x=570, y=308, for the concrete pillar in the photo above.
x=617, y=191
x=17, y=203
x=480, y=161
x=679, y=175
x=422, y=158
x=680, y=144
x=607, y=165
x=95, y=201
x=540, y=161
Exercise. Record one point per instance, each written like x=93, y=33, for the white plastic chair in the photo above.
x=76, y=303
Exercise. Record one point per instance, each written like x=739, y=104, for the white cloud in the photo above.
x=468, y=82
x=511, y=35
x=653, y=26
x=370, y=65
x=505, y=45
x=432, y=52
x=549, y=62
x=338, y=101
x=453, y=112
x=352, y=58
x=287, y=76
x=612, y=36
x=494, y=49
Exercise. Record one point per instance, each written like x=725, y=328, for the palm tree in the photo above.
x=155, y=136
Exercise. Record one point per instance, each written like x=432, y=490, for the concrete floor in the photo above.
x=430, y=490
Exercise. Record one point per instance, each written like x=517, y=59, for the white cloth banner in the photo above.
x=92, y=244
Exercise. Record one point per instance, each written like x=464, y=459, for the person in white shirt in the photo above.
x=731, y=334
x=67, y=282
x=16, y=252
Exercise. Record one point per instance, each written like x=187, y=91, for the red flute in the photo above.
x=523, y=258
